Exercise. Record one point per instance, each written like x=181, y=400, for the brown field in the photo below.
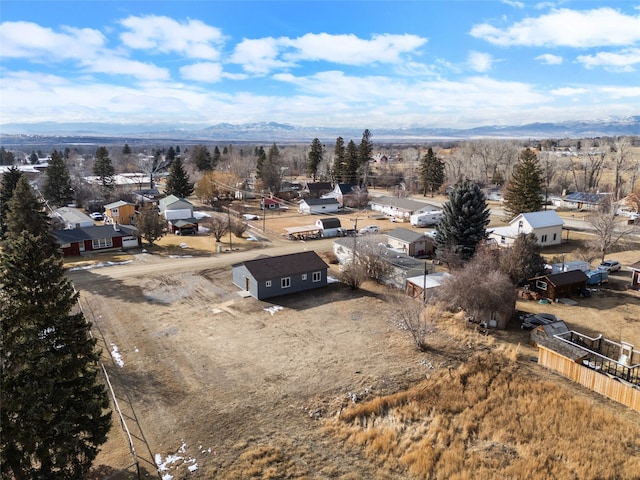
x=329, y=386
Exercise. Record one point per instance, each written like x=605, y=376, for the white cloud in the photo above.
x=351, y=50
x=513, y=3
x=564, y=27
x=550, y=59
x=479, y=62
x=259, y=56
x=193, y=38
x=31, y=41
x=207, y=72
x=568, y=91
x=622, y=61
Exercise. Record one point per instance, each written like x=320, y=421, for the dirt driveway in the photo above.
x=211, y=374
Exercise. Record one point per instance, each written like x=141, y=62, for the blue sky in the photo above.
x=367, y=64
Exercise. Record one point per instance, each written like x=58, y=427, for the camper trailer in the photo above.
x=569, y=266
x=425, y=219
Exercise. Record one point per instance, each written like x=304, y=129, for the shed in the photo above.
x=559, y=285
x=266, y=277
x=424, y=287
x=635, y=275
x=414, y=244
x=329, y=227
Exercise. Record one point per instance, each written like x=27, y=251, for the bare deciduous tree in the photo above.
x=218, y=226
x=608, y=230
x=416, y=318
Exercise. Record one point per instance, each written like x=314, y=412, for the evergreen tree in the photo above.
x=201, y=157
x=351, y=164
x=261, y=159
x=150, y=224
x=33, y=158
x=126, y=150
x=170, y=156
x=53, y=414
x=57, y=185
x=365, y=155
x=464, y=219
x=103, y=169
x=178, y=182
x=6, y=157
x=216, y=155
x=523, y=260
x=431, y=172
x=339, y=160
x=314, y=158
x=271, y=173
x=9, y=181
x=523, y=193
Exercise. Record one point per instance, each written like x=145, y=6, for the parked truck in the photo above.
x=425, y=219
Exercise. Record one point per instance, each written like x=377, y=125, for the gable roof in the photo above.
x=320, y=201
x=331, y=222
x=266, y=268
x=346, y=188
x=73, y=215
x=75, y=235
x=635, y=266
x=585, y=197
x=319, y=186
x=406, y=235
x=119, y=203
x=545, y=218
x=171, y=199
x=400, y=203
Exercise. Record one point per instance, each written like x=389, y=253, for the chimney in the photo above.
x=116, y=227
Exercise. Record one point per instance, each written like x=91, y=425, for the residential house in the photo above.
x=410, y=242
x=266, y=277
x=635, y=275
x=73, y=217
x=584, y=200
x=79, y=241
x=179, y=214
x=316, y=189
x=270, y=203
x=546, y=225
x=400, y=208
x=313, y=206
x=401, y=265
x=349, y=194
x=120, y=212
x=559, y=285
x=147, y=195
x=629, y=205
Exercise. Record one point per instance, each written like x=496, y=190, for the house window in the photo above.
x=520, y=225
x=543, y=239
x=503, y=240
x=540, y=285
x=102, y=243
x=304, y=276
x=114, y=212
x=285, y=282
x=267, y=283
x=555, y=235
x=317, y=276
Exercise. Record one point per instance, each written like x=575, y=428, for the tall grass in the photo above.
x=489, y=420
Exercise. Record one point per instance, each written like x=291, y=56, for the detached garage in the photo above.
x=559, y=285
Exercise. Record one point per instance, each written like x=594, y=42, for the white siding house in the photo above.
x=546, y=225
x=174, y=208
x=318, y=205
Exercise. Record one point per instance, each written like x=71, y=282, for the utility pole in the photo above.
x=229, y=227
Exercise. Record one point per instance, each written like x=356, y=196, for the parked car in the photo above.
x=532, y=320
x=186, y=231
x=97, y=216
x=610, y=266
x=370, y=229
x=250, y=216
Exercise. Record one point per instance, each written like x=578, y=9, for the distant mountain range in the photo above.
x=267, y=132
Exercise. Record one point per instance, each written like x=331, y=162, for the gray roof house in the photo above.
x=73, y=217
x=400, y=207
x=546, y=225
x=414, y=244
x=266, y=277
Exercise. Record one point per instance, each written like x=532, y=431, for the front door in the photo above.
x=246, y=283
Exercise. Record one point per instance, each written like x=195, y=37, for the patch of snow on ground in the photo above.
x=174, y=461
x=273, y=309
x=99, y=265
x=330, y=279
x=181, y=256
x=201, y=215
x=116, y=355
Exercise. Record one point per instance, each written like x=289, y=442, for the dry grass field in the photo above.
x=327, y=385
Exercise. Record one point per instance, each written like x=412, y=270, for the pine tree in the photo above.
x=339, y=160
x=150, y=224
x=314, y=158
x=271, y=173
x=9, y=181
x=57, y=186
x=6, y=157
x=178, y=182
x=126, y=150
x=365, y=155
x=262, y=158
x=350, y=172
x=431, y=172
x=201, y=157
x=523, y=193
x=523, y=260
x=53, y=414
x=103, y=169
x=464, y=219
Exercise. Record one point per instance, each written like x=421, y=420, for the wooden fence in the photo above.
x=592, y=379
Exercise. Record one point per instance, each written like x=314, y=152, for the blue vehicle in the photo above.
x=596, y=277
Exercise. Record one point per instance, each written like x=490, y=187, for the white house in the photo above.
x=73, y=217
x=175, y=208
x=312, y=206
x=401, y=208
x=546, y=225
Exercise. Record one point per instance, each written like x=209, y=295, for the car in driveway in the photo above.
x=250, y=216
x=369, y=229
x=97, y=216
x=610, y=266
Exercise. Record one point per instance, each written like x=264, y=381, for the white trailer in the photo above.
x=425, y=219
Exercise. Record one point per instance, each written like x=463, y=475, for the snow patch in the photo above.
x=175, y=461
x=273, y=309
x=115, y=354
x=99, y=265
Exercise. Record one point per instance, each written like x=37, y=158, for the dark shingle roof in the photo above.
x=319, y=186
x=95, y=232
x=331, y=222
x=567, y=278
x=320, y=201
x=266, y=268
x=405, y=235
